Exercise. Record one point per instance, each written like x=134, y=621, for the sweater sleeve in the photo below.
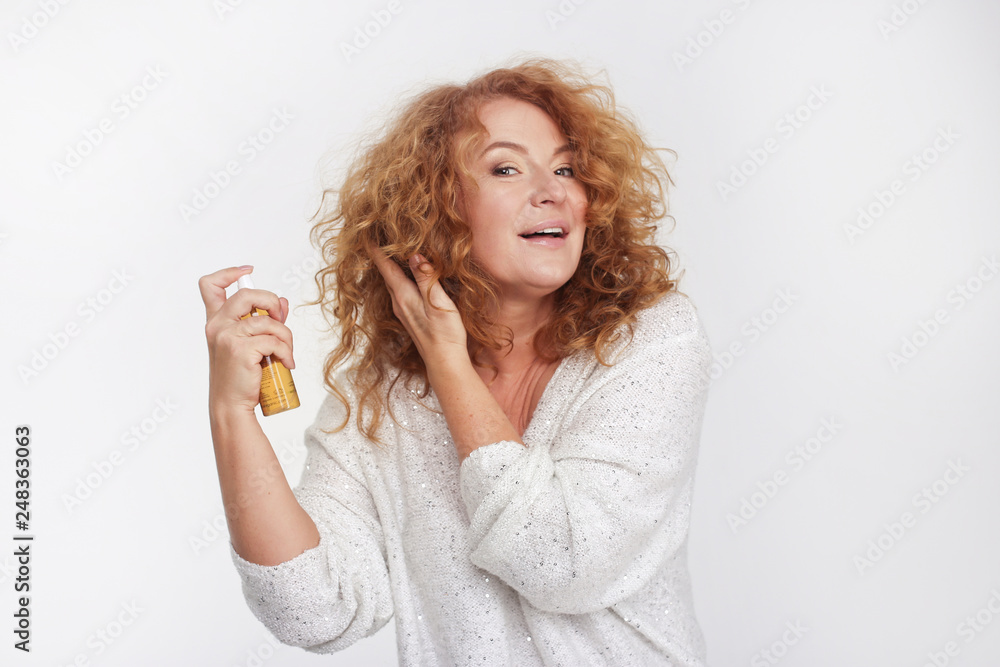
x=329, y=596
x=585, y=523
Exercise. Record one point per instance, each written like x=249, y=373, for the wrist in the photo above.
x=229, y=417
x=449, y=362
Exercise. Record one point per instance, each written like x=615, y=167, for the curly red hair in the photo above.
x=403, y=196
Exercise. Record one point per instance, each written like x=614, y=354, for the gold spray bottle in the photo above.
x=277, y=391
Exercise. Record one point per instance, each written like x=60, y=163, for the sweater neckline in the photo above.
x=541, y=419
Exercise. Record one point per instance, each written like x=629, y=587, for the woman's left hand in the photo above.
x=474, y=417
x=427, y=312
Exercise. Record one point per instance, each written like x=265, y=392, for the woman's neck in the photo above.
x=517, y=374
x=523, y=320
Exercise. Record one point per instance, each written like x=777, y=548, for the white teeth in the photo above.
x=555, y=232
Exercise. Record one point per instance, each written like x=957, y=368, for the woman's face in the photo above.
x=527, y=216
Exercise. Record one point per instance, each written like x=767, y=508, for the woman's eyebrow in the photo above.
x=565, y=148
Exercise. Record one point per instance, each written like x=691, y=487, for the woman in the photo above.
x=506, y=462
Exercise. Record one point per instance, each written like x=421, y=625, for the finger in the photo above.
x=248, y=301
x=284, y=309
x=268, y=336
x=213, y=286
x=422, y=271
x=277, y=349
x=394, y=277
x=429, y=286
x=249, y=350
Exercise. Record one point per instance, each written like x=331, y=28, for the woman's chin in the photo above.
x=538, y=288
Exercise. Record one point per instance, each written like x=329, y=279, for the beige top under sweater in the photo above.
x=570, y=550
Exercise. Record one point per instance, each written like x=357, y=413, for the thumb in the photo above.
x=213, y=286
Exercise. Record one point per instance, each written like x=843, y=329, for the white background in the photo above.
x=884, y=80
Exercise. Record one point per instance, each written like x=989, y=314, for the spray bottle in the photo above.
x=277, y=391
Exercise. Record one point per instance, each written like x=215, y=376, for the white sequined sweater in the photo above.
x=568, y=550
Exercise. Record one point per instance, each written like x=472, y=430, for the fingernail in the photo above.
x=245, y=267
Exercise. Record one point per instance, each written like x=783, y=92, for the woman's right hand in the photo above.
x=236, y=346
x=267, y=525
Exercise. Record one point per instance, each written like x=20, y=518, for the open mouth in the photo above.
x=550, y=232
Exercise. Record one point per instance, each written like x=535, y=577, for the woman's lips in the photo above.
x=547, y=226
x=546, y=240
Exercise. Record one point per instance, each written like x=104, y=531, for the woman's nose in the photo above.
x=548, y=189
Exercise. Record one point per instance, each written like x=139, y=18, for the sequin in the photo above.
x=515, y=537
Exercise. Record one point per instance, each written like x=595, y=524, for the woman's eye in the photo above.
x=504, y=171
x=565, y=171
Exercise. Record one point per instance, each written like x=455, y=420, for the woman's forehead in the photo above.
x=517, y=125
